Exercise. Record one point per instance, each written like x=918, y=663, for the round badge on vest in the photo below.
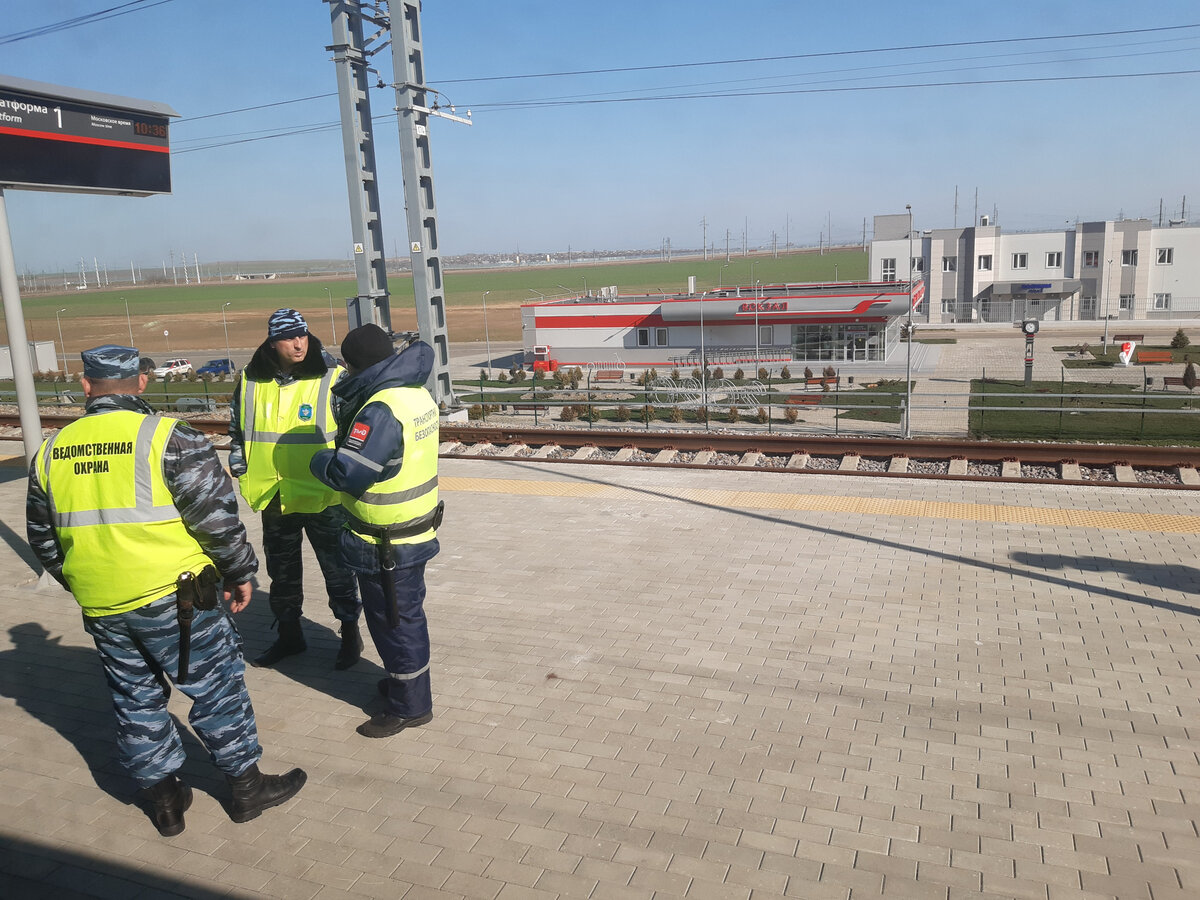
x=306, y=412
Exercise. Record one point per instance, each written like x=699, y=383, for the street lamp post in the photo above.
x=757, y=303
x=909, y=341
x=703, y=363
x=721, y=277
x=1107, y=300
x=332, y=323
x=58, y=321
x=228, y=355
x=128, y=321
x=486, y=335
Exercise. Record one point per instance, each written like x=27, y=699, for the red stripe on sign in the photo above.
x=73, y=139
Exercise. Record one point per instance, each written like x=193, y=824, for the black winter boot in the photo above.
x=351, y=650
x=253, y=791
x=169, y=799
x=289, y=643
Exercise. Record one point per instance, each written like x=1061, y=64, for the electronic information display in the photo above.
x=80, y=142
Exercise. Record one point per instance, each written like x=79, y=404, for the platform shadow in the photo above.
x=314, y=667
x=64, y=688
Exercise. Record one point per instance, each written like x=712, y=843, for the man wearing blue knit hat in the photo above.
x=281, y=414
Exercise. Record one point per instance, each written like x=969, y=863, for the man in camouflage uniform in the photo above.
x=123, y=507
x=281, y=414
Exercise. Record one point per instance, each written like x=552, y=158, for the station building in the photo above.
x=1128, y=270
x=767, y=325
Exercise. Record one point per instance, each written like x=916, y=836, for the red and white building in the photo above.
x=842, y=322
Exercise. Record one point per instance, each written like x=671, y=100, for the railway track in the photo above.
x=1084, y=464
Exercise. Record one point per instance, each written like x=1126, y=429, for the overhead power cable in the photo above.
x=760, y=59
x=111, y=13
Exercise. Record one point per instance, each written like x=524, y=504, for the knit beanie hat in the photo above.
x=366, y=345
x=284, y=324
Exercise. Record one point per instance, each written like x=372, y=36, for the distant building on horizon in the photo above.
x=1127, y=270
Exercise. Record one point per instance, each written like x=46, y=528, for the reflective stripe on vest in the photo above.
x=412, y=492
x=123, y=540
x=279, y=443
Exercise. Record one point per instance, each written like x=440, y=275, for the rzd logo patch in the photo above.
x=358, y=434
x=305, y=412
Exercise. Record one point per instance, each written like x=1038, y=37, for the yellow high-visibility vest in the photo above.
x=283, y=427
x=412, y=492
x=123, y=540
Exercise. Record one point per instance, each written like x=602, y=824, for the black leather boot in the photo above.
x=289, y=643
x=169, y=799
x=351, y=650
x=253, y=791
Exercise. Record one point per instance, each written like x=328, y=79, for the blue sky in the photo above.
x=626, y=172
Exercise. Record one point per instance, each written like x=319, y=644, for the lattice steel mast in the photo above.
x=350, y=56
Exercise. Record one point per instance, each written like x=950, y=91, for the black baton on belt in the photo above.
x=387, y=565
x=185, y=610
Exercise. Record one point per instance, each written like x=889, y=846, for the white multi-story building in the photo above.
x=1125, y=270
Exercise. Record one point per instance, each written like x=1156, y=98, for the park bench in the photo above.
x=1153, y=356
x=804, y=399
x=1173, y=381
x=609, y=374
x=1122, y=338
x=530, y=407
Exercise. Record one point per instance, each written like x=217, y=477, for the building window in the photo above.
x=1129, y=257
x=1091, y=259
x=917, y=263
x=889, y=269
x=1162, y=301
x=1126, y=302
x=985, y=263
x=1166, y=256
x=1020, y=261
x=660, y=337
x=1054, y=259
x=766, y=335
x=948, y=306
x=643, y=337
x=949, y=263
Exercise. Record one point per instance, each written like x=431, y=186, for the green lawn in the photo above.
x=463, y=287
x=1087, y=412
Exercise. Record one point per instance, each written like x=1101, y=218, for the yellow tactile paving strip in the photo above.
x=1112, y=520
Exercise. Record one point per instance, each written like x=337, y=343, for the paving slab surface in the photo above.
x=652, y=683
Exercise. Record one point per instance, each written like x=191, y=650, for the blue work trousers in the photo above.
x=404, y=650
x=132, y=645
x=282, y=545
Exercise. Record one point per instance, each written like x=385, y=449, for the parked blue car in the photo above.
x=216, y=367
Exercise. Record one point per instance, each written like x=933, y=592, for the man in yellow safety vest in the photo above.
x=385, y=465
x=282, y=413
x=133, y=513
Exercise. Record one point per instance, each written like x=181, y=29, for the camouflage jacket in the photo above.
x=200, y=488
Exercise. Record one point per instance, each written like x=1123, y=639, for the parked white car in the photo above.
x=177, y=366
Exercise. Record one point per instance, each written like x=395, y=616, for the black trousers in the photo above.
x=282, y=546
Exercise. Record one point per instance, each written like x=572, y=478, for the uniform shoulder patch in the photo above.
x=358, y=435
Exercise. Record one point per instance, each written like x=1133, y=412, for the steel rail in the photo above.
x=654, y=441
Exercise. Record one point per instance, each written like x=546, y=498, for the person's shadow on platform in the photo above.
x=314, y=667
x=1166, y=576
x=64, y=687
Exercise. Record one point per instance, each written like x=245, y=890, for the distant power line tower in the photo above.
x=351, y=56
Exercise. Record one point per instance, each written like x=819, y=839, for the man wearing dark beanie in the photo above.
x=385, y=465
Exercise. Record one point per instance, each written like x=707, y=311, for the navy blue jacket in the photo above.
x=378, y=458
x=382, y=452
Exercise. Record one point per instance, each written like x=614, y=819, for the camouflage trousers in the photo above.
x=133, y=646
x=283, y=536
